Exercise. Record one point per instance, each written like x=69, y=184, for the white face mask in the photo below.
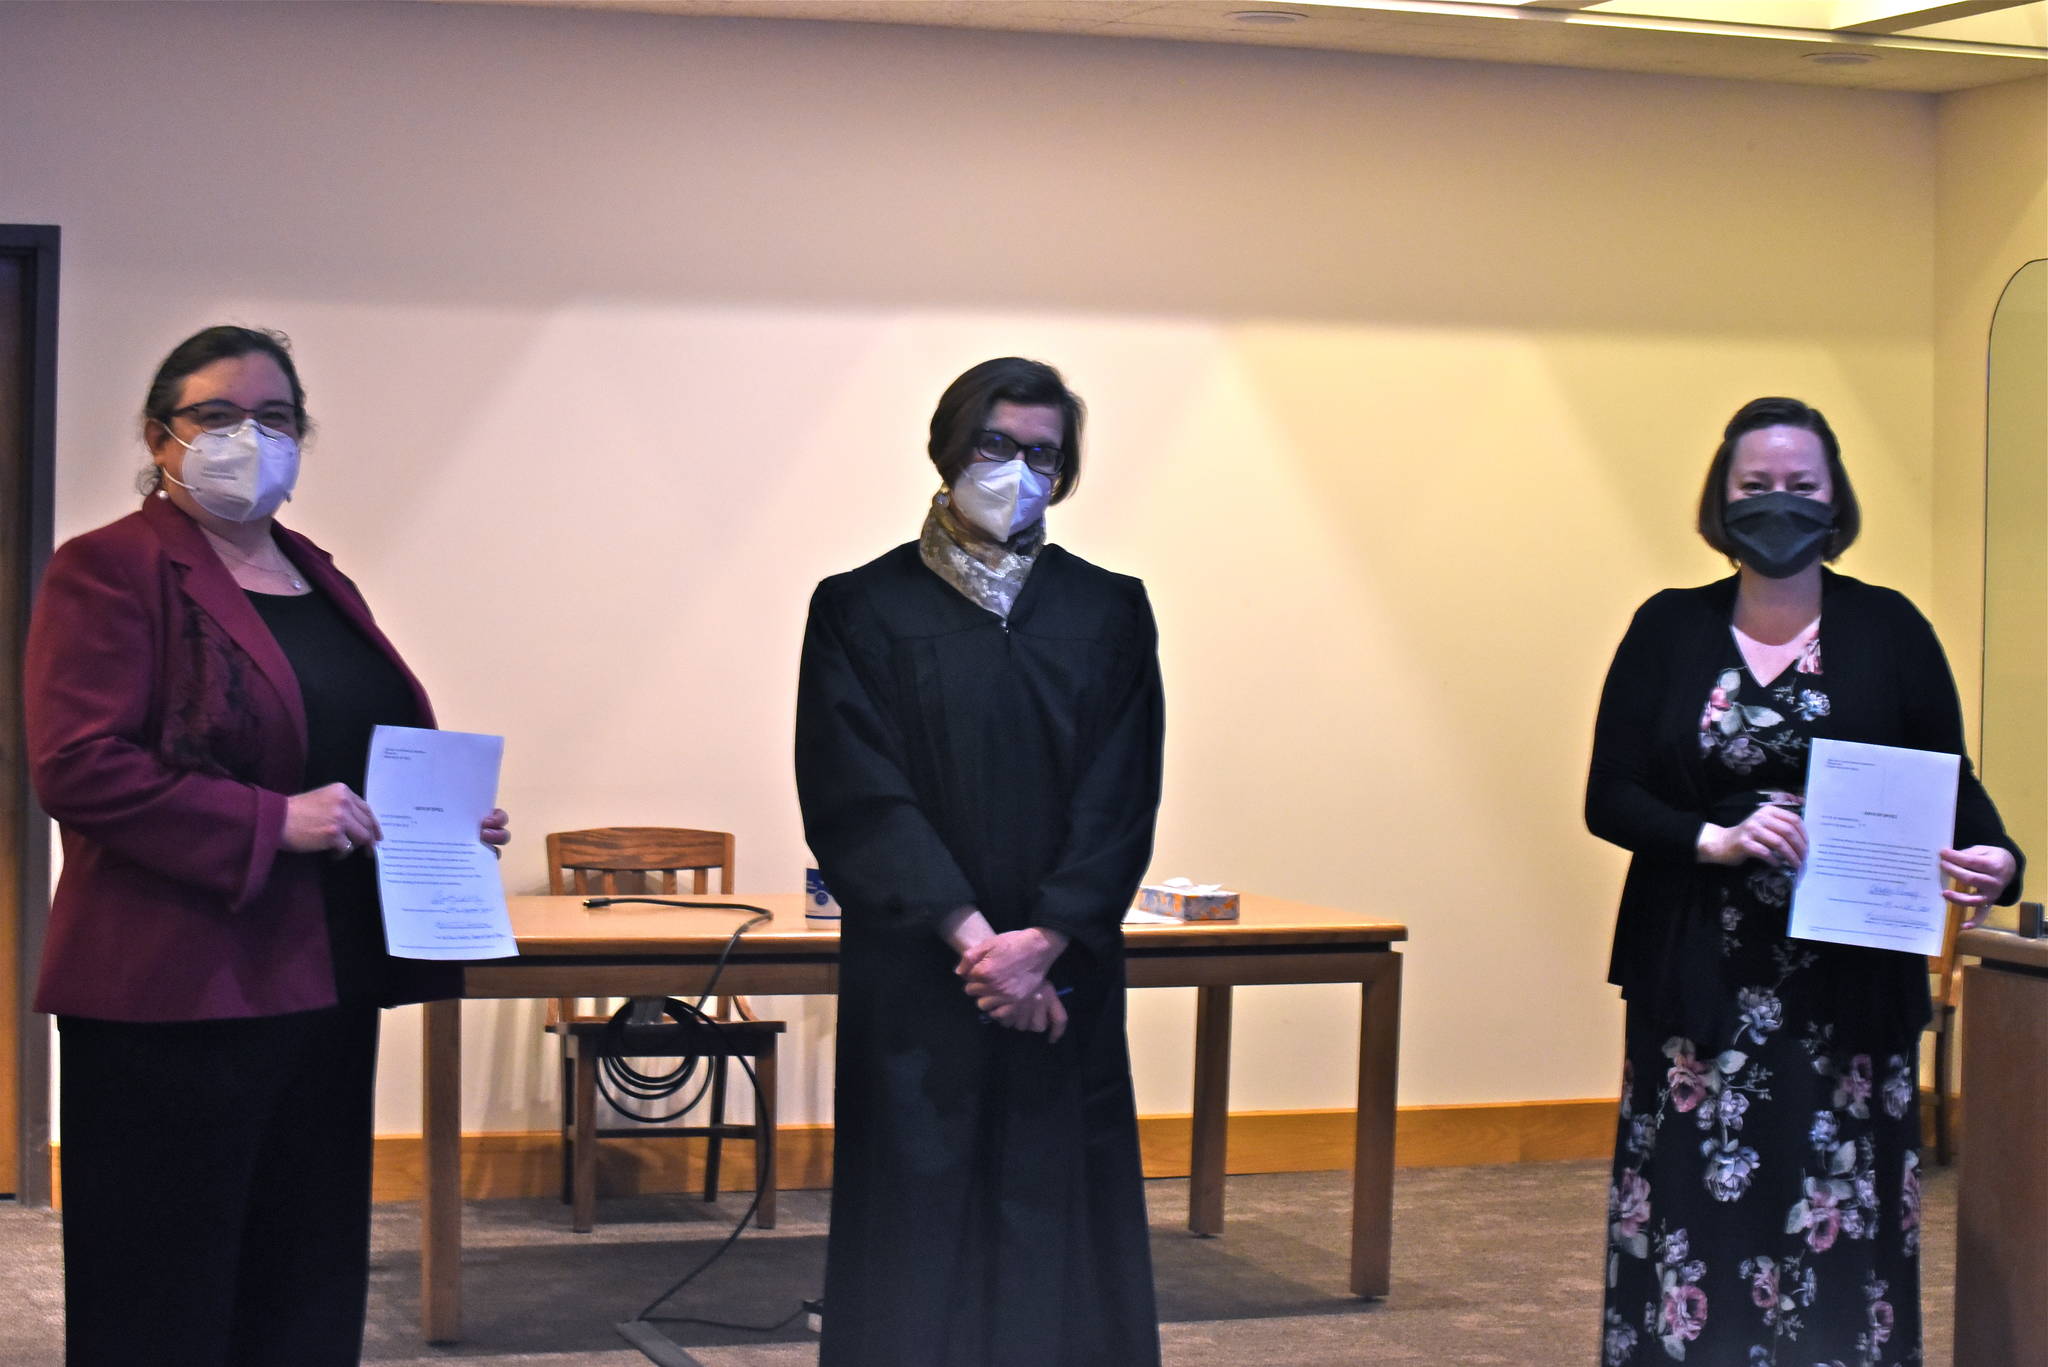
x=239, y=476
x=1001, y=499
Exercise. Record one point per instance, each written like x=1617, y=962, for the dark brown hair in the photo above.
x=195, y=353
x=963, y=413
x=1754, y=416
x=201, y=350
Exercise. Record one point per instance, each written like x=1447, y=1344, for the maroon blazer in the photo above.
x=165, y=730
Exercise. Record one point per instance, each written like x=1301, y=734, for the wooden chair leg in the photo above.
x=1944, y=1026
x=583, y=1184
x=764, y=1133
x=567, y=1127
x=712, y=1141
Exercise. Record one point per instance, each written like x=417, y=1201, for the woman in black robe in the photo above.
x=977, y=752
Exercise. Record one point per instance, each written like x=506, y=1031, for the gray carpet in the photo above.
x=1496, y=1265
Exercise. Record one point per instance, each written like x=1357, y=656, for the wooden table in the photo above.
x=2002, y=1184
x=568, y=950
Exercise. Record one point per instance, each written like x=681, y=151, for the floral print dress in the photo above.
x=1765, y=1203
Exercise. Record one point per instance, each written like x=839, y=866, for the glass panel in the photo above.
x=2019, y=26
x=2005, y=23
x=2015, y=754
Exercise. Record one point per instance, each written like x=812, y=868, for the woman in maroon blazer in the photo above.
x=200, y=689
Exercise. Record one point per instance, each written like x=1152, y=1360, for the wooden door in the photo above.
x=28, y=331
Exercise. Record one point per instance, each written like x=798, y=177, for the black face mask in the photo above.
x=1780, y=534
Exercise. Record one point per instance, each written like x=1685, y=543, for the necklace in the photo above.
x=289, y=576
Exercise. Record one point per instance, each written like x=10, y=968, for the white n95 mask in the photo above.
x=1001, y=498
x=239, y=476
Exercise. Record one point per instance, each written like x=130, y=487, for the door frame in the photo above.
x=27, y=502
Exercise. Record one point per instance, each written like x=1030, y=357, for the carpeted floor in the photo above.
x=1496, y=1265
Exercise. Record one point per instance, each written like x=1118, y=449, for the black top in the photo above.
x=987, y=1206
x=1888, y=684
x=349, y=688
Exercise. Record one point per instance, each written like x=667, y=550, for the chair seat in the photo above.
x=720, y=1039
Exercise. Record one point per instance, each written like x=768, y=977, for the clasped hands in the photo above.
x=1005, y=975
x=1776, y=835
x=336, y=821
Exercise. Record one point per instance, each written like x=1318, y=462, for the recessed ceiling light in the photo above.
x=1841, y=58
x=1266, y=17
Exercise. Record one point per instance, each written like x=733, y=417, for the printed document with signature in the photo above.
x=437, y=881
x=1877, y=819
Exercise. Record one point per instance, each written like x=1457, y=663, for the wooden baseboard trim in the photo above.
x=499, y=1165
x=530, y=1164
x=496, y=1165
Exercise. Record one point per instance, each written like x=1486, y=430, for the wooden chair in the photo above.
x=1944, y=987
x=644, y=861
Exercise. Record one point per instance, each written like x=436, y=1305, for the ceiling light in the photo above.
x=1840, y=58
x=1269, y=18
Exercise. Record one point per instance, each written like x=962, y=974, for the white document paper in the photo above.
x=437, y=881
x=1877, y=819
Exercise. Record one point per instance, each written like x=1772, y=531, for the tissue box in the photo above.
x=1189, y=901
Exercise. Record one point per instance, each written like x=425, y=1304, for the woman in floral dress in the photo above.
x=1765, y=1203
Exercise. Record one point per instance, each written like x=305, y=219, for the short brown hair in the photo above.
x=1754, y=416
x=963, y=412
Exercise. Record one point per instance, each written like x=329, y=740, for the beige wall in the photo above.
x=622, y=332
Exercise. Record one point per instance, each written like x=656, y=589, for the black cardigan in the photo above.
x=1888, y=683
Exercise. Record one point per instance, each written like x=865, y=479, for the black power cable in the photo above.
x=617, y=1079
x=647, y=1314
x=643, y=1012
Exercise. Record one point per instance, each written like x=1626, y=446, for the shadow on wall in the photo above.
x=429, y=154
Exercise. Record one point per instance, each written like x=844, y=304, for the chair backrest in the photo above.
x=619, y=859
x=1941, y=968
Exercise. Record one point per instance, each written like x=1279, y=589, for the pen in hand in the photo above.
x=987, y=1019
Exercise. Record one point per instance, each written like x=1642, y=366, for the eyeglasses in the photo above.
x=218, y=415
x=1000, y=447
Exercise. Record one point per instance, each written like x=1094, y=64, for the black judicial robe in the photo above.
x=987, y=1200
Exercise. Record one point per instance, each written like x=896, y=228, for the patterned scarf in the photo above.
x=989, y=574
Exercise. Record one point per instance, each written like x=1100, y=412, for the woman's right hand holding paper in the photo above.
x=332, y=819
x=1772, y=834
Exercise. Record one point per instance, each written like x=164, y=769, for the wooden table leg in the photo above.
x=764, y=1149
x=583, y=1151
x=1372, y=1176
x=1212, y=1110
x=441, y=1201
